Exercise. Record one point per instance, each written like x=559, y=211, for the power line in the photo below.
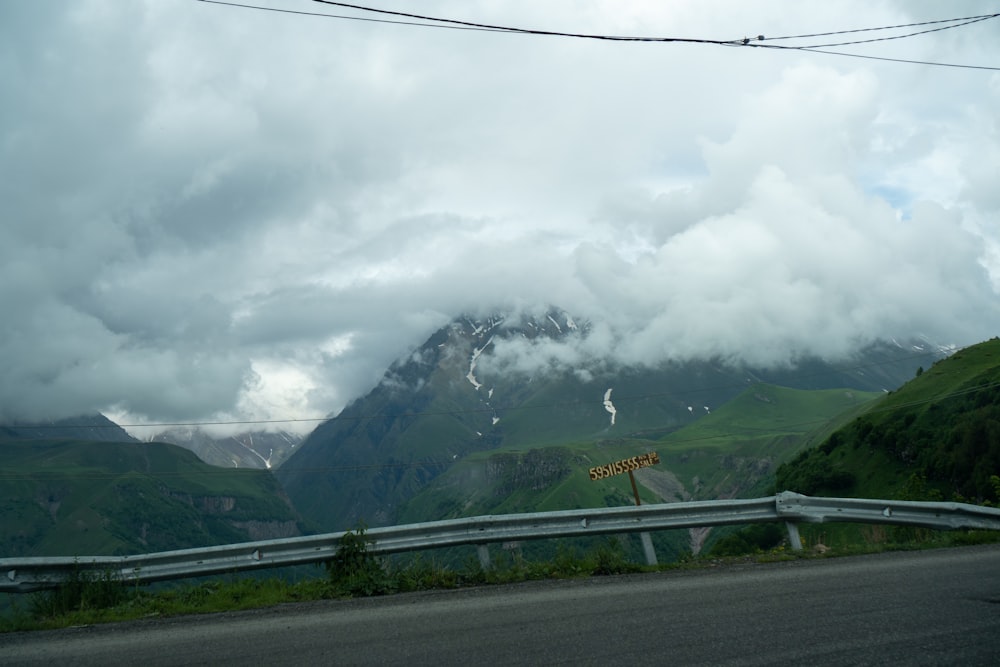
x=425, y=21
x=784, y=429
x=619, y=400
x=339, y=16
x=425, y=463
x=966, y=19
x=525, y=31
x=452, y=24
x=891, y=60
x=893, y=37
x=822, y=48
x=956, y=23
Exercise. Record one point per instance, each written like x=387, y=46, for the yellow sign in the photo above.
x=625, y=465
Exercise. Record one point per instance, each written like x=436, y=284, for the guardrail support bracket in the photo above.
x=484, y=555
x=647, y=548
x=793, y=536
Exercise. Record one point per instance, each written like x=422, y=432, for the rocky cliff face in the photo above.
x=533, y=470
x=230, y=510
x=268, y=530
x=215, y=505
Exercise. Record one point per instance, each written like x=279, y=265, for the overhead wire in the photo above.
x=822, y=48
x=886, y=27
x=907, y=61
x=956, y=23
x=963, y=22
x=426, y=21
x=433, y=462
x=469, y=411
x=340, y=16
x=785, y=429
x=525, y=31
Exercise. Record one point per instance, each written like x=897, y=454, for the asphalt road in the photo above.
x=919, y=608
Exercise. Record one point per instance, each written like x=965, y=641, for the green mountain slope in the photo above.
x=79, y=497
x=936, y=437
x=724, y=454
x=95, y=427
x=735, y=450
x=460, y=394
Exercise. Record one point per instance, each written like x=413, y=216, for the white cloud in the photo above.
x=221, y=212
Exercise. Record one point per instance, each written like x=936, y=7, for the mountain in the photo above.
x=253, y=449
x=722, y=455
x=70, y=497
x=937, y=437
x=465, y=391
x=95, y=427
x=731, y=452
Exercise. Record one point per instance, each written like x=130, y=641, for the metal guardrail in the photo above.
x=942, y=516
x=24, y=575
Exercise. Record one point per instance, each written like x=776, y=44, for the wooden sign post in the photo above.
x=635, y=489
x=627, y=466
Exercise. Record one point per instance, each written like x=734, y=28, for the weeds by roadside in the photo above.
x=356, y=572
x=82, y=591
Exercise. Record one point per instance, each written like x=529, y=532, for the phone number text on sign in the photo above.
x=625, y=465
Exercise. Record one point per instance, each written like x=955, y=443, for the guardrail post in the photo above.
x=647, y=547
x=484, y=555
x=793, y=536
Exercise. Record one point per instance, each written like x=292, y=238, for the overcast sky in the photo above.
x=215, y=213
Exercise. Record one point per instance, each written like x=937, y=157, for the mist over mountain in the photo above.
x=481, y=383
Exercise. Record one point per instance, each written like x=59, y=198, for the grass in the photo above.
x=353, y=572
x=773, y=410
x=948, y=375
x=936, y=437
x=730, y=452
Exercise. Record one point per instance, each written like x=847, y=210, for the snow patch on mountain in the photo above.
x=250, y=450
x=609, y=406
x=471, y=375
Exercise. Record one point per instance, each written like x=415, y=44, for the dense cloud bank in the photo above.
x=216, y=213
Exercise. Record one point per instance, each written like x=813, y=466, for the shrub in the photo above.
x=752, y=539
x=609, y=558
x=82, y=591
x=354, y=570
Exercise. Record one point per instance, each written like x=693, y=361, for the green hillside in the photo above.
x=936, y=437
x=417, y=435
x=731, y=452
x=75, y=497
x=735, y=450
x=452, y=400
